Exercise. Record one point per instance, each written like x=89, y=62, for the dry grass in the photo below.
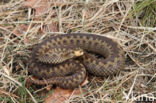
x=105, y=17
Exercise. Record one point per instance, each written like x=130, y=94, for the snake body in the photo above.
x=70, y=73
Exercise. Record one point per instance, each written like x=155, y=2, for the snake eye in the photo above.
x=71, y=55
x=78, y=53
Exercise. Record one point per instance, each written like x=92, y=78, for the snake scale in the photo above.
x=47, y=65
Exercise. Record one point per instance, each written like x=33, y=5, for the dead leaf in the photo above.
x=1, y=39
x=59, y=3
x=41, y=6
x=26, y=40
x=61, y=95
x=52, y=27
x=21, y=29
x=30, y=3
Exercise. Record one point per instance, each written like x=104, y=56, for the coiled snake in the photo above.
x=64, y=59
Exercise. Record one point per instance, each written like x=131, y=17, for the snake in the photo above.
x=66, y=59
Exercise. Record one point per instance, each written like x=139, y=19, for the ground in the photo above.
x=131, y=23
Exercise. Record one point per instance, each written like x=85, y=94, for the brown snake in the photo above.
x=71, y=72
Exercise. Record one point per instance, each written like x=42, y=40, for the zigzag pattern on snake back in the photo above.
x=71, y=73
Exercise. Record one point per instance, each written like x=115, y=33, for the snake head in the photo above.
x=76, y=53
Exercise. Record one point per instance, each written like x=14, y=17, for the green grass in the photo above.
x=6, y=99
x=145, y=10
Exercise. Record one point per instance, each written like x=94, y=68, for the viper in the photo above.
x=65, y=59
